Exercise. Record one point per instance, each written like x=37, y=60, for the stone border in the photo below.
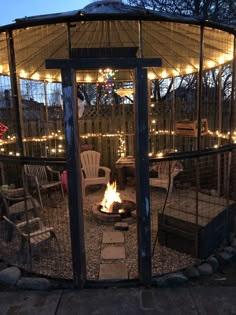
x=11, y=277
x=205, y=268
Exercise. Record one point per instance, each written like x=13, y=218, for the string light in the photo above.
x=122, y=146
x=106, y=80
x=122, y=150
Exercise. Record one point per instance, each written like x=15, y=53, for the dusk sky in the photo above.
x=13, y=9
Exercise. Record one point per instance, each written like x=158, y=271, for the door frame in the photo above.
x=68, y=69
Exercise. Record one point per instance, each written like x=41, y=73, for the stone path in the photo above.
x=113, y=252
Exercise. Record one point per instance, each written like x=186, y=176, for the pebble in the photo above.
x=205, y=269
x=213, y=261
x=10, y=275
x=31, y=283
x=171, y=280
x=191, y=272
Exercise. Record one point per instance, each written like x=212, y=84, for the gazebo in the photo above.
x=159, y=105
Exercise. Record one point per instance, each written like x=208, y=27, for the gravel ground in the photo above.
x=49, y=260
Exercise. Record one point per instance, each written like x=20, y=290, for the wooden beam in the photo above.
x=98, y=63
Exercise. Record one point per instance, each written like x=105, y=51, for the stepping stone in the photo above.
x=113, y=271
x=113, y=252
x=121, y=226
x=112, y=237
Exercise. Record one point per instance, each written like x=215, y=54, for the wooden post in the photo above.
x=142, y=177
x=74, y=176
x=15, y=87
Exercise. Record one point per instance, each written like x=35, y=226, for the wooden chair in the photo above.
x=92, y=172
x=42, y=178
x=31, y=236
x=166, y=172
x=2, y=174
x=17, y=205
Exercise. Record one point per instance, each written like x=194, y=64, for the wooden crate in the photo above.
x=190, y=128
x=198, y=241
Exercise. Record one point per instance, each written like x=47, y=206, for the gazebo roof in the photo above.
x=112, y=24
x=116, y=10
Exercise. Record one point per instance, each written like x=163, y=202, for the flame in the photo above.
x=110, y=196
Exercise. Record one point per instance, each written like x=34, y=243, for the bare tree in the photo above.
x=223, y=11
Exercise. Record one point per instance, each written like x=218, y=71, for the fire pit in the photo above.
x=113, y=209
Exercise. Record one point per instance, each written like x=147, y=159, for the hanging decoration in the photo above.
x=3, y=129
x=122, y=92
x=106, y=80
x=122, y=146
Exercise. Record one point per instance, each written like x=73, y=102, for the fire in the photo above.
x=110, y=196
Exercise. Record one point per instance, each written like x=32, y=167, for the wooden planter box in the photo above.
x=190, y=128
x=198, y=241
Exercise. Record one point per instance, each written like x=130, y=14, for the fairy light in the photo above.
x=175, y=72
x=49, y=78
x=164, y=74
x=151, y=76
x=10, y=139
x=189, y=69
x=35, y=76
x=106, y=80
x=211, y=64
x=122, y=146
x=88, y=78
x=160, y=154
x=221, y=59
x=23, y=74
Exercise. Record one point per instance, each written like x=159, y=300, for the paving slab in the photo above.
x=174, y=301
x=215, y=300
x=112, y=301
x=113, y=252
x=113, y=271
x=29, y=302
x=112, y=237
x=198, y=300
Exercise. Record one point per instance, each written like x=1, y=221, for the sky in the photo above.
x=13, y=9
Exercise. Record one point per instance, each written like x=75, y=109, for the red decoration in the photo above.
x=3, y=129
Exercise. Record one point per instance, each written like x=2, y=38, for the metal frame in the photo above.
x=68, y=67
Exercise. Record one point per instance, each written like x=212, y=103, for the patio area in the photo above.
x=49, y=261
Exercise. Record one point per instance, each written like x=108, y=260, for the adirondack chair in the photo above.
x=92, y=172
x=42, y=178
x=166, y=172
x=31, y=236
x=16, y=205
